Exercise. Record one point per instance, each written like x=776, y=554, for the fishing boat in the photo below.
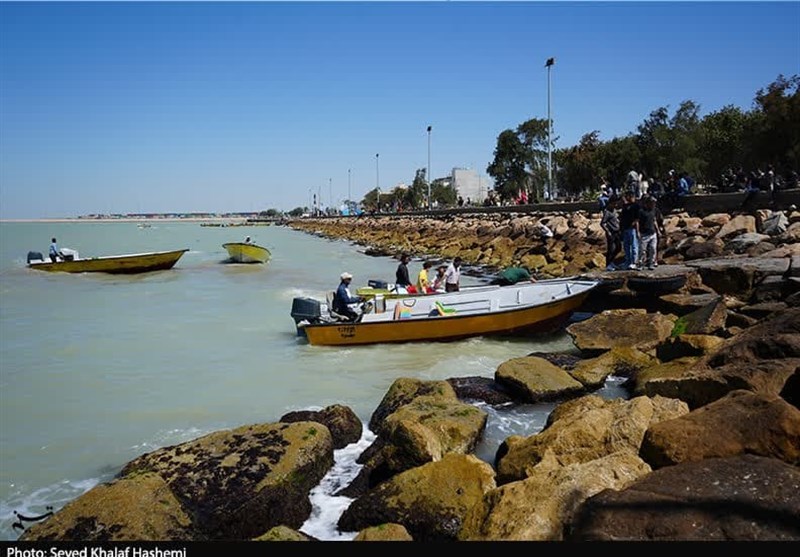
x=247, y=252
x=115, y=264
x=486, y=310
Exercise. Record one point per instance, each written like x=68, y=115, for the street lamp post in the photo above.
x=348, y=191
x=378, y=181
x=548, y=65
x=429, y=168
x=330, y=192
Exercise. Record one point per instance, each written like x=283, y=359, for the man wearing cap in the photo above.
x=343, y=299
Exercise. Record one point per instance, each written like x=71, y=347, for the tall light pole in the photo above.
x=548, y=65
x=348, y=191
x=330, y=192
x=378, y=181
x=429, y=168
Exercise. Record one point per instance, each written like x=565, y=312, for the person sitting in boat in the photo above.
x=55, y=253
x=423, y=282
x=343, y=300
x=248, y=240
x=513, y=275
x=438, y=280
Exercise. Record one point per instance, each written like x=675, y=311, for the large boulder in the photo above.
x=584, y=429
x=239, y=483
x=345, y=426
x=430, y=501
x=635, y=328
x=536, y=508
x=619, y=361
x=403, y=391
x=138, y=508
x=742, y=422
x=739, y=498
x=428, y=428
x=534, y=379
x=760, y=359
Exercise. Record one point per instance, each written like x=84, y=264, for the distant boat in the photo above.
x=115, y=264
x=488, y=310
x=245, y=252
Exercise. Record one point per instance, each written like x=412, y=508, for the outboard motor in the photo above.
x=306, y=309
x=34, y=256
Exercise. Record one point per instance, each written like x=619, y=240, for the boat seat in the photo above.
x=335, y=316
x=443, y=310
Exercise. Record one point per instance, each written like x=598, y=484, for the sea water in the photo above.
x=98, y=369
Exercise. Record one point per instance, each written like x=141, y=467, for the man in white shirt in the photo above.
x=452, y=276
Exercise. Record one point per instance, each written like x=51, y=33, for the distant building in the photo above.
x=469, y=184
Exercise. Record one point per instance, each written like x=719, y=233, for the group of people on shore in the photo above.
x=634, y=227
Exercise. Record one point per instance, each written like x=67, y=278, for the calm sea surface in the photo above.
x=96, y=369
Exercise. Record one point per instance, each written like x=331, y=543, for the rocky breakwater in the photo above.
x=705, y=446
x=559, y=244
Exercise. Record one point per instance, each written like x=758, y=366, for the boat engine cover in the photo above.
x=307, y=309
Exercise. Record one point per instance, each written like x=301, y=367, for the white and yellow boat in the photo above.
x=114, y=264
x=246, y=252
x=487, y=310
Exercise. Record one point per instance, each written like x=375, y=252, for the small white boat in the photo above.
x=246, y=252
x=487, y=310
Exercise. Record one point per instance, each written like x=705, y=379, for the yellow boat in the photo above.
x=489, y=310
x=244, y=252
x=114, y=264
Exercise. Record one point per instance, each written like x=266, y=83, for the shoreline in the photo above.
x=235, y=220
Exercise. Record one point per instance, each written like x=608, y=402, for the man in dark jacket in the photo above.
x=609, y=222
x=629, y=224
x=401, y=275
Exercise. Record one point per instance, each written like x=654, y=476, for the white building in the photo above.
x=471, y=185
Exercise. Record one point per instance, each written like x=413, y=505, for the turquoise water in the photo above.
x=97, y=369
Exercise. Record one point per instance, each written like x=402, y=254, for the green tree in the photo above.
x=685, y=129
x=578, y=167
x=520, y=160
x=616, y=158
x=442, y=193
x=776, y=134
x=722, y=141
x=298, y=211
x=417, y=194
x=654, y=142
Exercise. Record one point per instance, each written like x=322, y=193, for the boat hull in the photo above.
x=541, y=317
x=114, y=264
x=240, y=252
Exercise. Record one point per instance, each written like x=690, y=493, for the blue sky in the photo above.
x=125, y=107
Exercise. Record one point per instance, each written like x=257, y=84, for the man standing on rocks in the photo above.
x=609, y=222
x=629, y=223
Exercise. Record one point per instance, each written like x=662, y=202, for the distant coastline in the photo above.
x=232, y=220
